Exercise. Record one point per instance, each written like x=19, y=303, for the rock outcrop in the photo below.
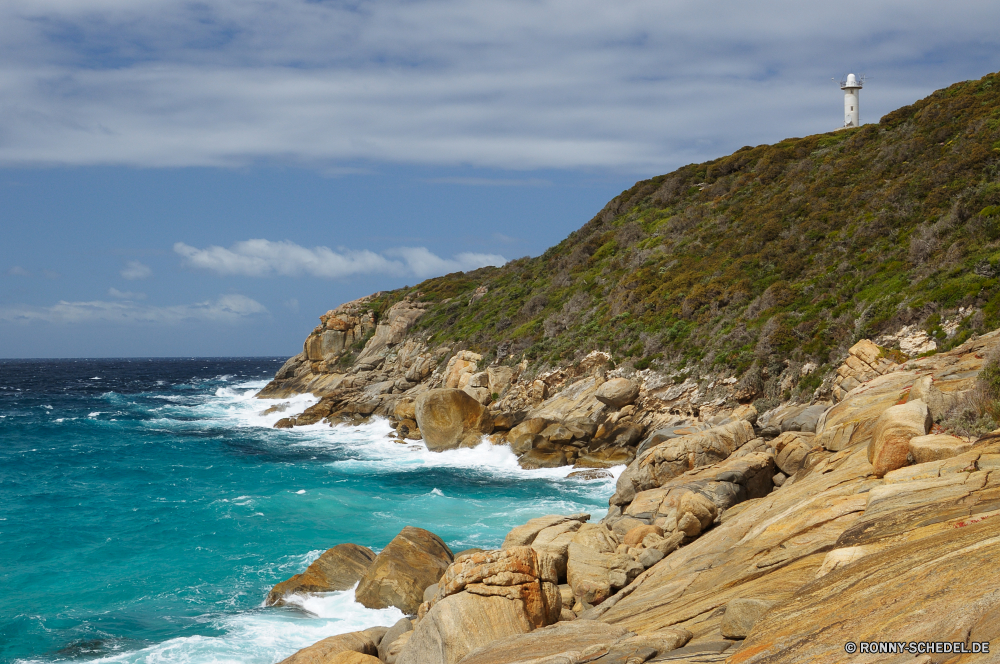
x=413, y=560
x=449, y=418
x=483, y=597
x=340, y=649
x=339, y=568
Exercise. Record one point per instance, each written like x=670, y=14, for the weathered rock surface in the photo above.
x=481, y=598
x=413, y=560
x=338, y=568
x=402, y=626
x=450, y=418
x=675, y=456
x=327, y=650
x=617, y=392
x=741, y=615
x=894, y=428
x=904, y=571
x=937, y=447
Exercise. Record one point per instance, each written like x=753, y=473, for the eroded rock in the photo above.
x=338, y=568
x=413, y=560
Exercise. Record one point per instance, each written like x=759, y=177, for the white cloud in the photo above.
x=642, y=85
x=226, y=309
x=136, y=270
x=125, y=295
x=264, y=258
x=18, y=271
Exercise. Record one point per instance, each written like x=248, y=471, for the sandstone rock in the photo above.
x=676, y=456
x=937, y=447
x=792, y=448
x=635, y=536
x=507, y=421
x=499, y=378
x=523, y=436
x=393, y=649
x=594, y=574
x=741, y=615
x=672, y=431
x=650, y=557
x=460, y=369
x=450, y=418
x=338, y=568
x=779, y=479
x=526, y=534
x=285, y=423
x=569, y=639
x=609, y=457
x=893, y=430
x=405, y=409
x=324, y=651
x=617, y=392
x=534, y=459
x=806, y=419
x=907, y=573
x=484, y=597
x=413, y=560
x=353, y=658
x=402, y=626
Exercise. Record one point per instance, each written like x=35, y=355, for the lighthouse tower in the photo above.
x=852, y=93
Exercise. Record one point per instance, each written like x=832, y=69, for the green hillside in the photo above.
x=790, y=251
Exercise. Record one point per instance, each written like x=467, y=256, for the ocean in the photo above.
x=147, y=506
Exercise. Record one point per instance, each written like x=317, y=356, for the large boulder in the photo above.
x=617, y=392
x=450, y=418
x=413, y=560
x=524, y=436
x=327, y=650
x=890, y=442
x=481, y=598
x=338, y=568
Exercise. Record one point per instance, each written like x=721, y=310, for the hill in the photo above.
x=773, y=257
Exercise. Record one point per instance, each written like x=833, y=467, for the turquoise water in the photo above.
x=146, y=507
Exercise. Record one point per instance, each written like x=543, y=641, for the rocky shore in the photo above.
x=733, y=535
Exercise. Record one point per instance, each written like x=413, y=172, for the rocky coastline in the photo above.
x=732, y=535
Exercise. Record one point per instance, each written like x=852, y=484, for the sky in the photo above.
x=207, y=178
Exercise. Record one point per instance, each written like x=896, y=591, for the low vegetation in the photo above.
x=776, y=255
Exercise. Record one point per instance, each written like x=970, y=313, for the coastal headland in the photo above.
x=790, y=357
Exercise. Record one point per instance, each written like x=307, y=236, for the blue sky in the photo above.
x=207, y=178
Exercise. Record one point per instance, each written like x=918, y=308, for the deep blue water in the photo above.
x=146, y=507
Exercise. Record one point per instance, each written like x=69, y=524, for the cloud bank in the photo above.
x=641, y=85
x=264, y=258
x=226, y=309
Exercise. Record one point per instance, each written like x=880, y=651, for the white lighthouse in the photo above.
x=852, y=94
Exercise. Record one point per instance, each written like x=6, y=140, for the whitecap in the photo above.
x=300, y=491
x=437, y=492
x=264, y=636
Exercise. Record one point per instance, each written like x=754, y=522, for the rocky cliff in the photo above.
x=788, y=536
x=789, y=351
